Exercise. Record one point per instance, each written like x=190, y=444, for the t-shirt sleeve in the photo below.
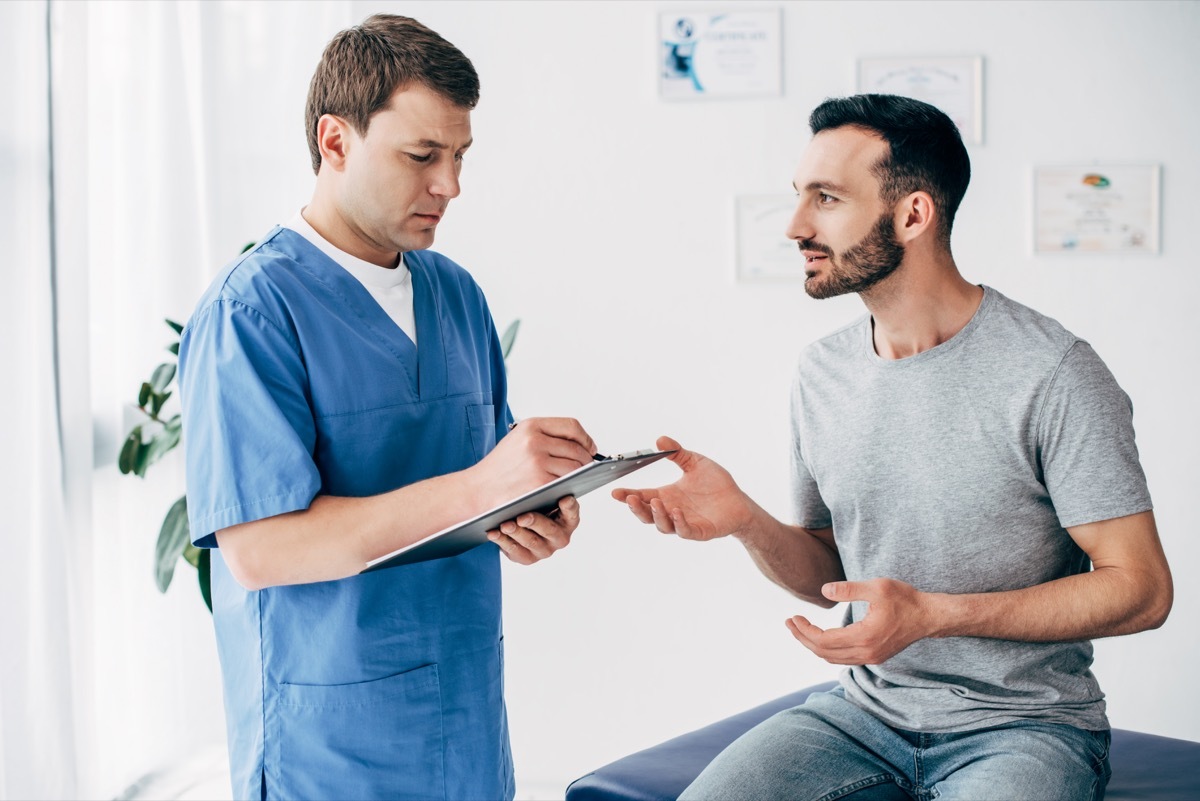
x=808, y=508
x=1086, y=445
x=249, y=433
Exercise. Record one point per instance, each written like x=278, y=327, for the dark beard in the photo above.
x=862, y=266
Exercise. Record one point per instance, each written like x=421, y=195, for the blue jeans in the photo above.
x=827, y=749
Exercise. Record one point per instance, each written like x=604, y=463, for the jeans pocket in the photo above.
x=372, y=739
x=1100, y=741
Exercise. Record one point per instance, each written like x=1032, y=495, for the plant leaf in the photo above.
x=169, y=437
x=191, y=555
x=161, y=444
x=150, y=453
x=510, y=336
x=245, y=247
x=174, y=348
x=204, y=574
x=144, y=394
x=158, y=401
x=176, y=327
x=129, y=451
x=162, y=377
x=172, y=537
x=144, y=457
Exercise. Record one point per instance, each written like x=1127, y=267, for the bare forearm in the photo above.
x=336, y=536
x=795, y=558
x=1129, y=590
x=1103, y=603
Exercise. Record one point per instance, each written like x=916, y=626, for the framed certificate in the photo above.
x=953, y=84
x=1101, y=208
x=708, y=54
x=764, y=251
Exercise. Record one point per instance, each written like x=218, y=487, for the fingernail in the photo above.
x=525, y=520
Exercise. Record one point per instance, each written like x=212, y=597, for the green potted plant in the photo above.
x=149, y=441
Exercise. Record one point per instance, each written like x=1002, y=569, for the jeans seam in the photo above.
x=1099, y=765
x=870, y=781
x=918, y=767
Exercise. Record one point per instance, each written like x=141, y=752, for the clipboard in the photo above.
x=464, y=536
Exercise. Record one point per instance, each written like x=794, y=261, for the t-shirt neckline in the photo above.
x=950, y=345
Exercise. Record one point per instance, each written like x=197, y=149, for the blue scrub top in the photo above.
x=295, y=382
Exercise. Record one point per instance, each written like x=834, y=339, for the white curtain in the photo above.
x=177, y=137
x=37, y=731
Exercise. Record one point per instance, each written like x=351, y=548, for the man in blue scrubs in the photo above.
x=344, y=395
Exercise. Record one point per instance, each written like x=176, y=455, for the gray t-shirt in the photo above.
x=957, y=470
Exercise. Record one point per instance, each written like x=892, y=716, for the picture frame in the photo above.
x=720, y=54
x=952, y=83
x=764, y=252
x=1103, y=207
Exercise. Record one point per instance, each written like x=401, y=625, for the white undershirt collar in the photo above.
x=391, y=287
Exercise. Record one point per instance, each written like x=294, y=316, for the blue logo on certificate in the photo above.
x=736, y=54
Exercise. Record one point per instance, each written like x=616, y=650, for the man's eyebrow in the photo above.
x=818, y=186
x=436, y=145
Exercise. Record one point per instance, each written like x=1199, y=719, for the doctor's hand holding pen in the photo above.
x=705, y=503
x=531, y=454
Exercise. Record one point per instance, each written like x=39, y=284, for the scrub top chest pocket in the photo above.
x=481, y=425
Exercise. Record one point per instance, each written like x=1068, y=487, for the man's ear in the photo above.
x=334, y=137
x=915, y=215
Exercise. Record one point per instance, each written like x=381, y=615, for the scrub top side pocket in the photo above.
x=481, y=422
x=380, y=739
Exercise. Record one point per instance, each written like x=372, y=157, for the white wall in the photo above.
x=589, y=204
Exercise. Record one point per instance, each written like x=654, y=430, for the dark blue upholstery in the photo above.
x=1145, y=766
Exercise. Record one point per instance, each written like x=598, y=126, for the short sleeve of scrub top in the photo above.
x=251, y=433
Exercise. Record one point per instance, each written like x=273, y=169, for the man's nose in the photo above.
x=445, y=181
x=800, y=226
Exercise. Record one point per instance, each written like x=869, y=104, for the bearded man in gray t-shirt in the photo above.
x=965, y=478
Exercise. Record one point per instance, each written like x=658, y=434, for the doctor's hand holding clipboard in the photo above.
x=533, y=453
x=310, y=545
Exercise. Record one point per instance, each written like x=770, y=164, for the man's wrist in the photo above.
x=748, y=531
x=473, y=488
x=947, y=615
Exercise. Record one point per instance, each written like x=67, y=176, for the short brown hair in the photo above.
x=362, y=67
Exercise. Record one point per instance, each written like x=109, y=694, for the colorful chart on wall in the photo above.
x=1101, y=208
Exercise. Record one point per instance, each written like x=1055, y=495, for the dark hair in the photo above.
x=362, y=67
x=926, y=152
